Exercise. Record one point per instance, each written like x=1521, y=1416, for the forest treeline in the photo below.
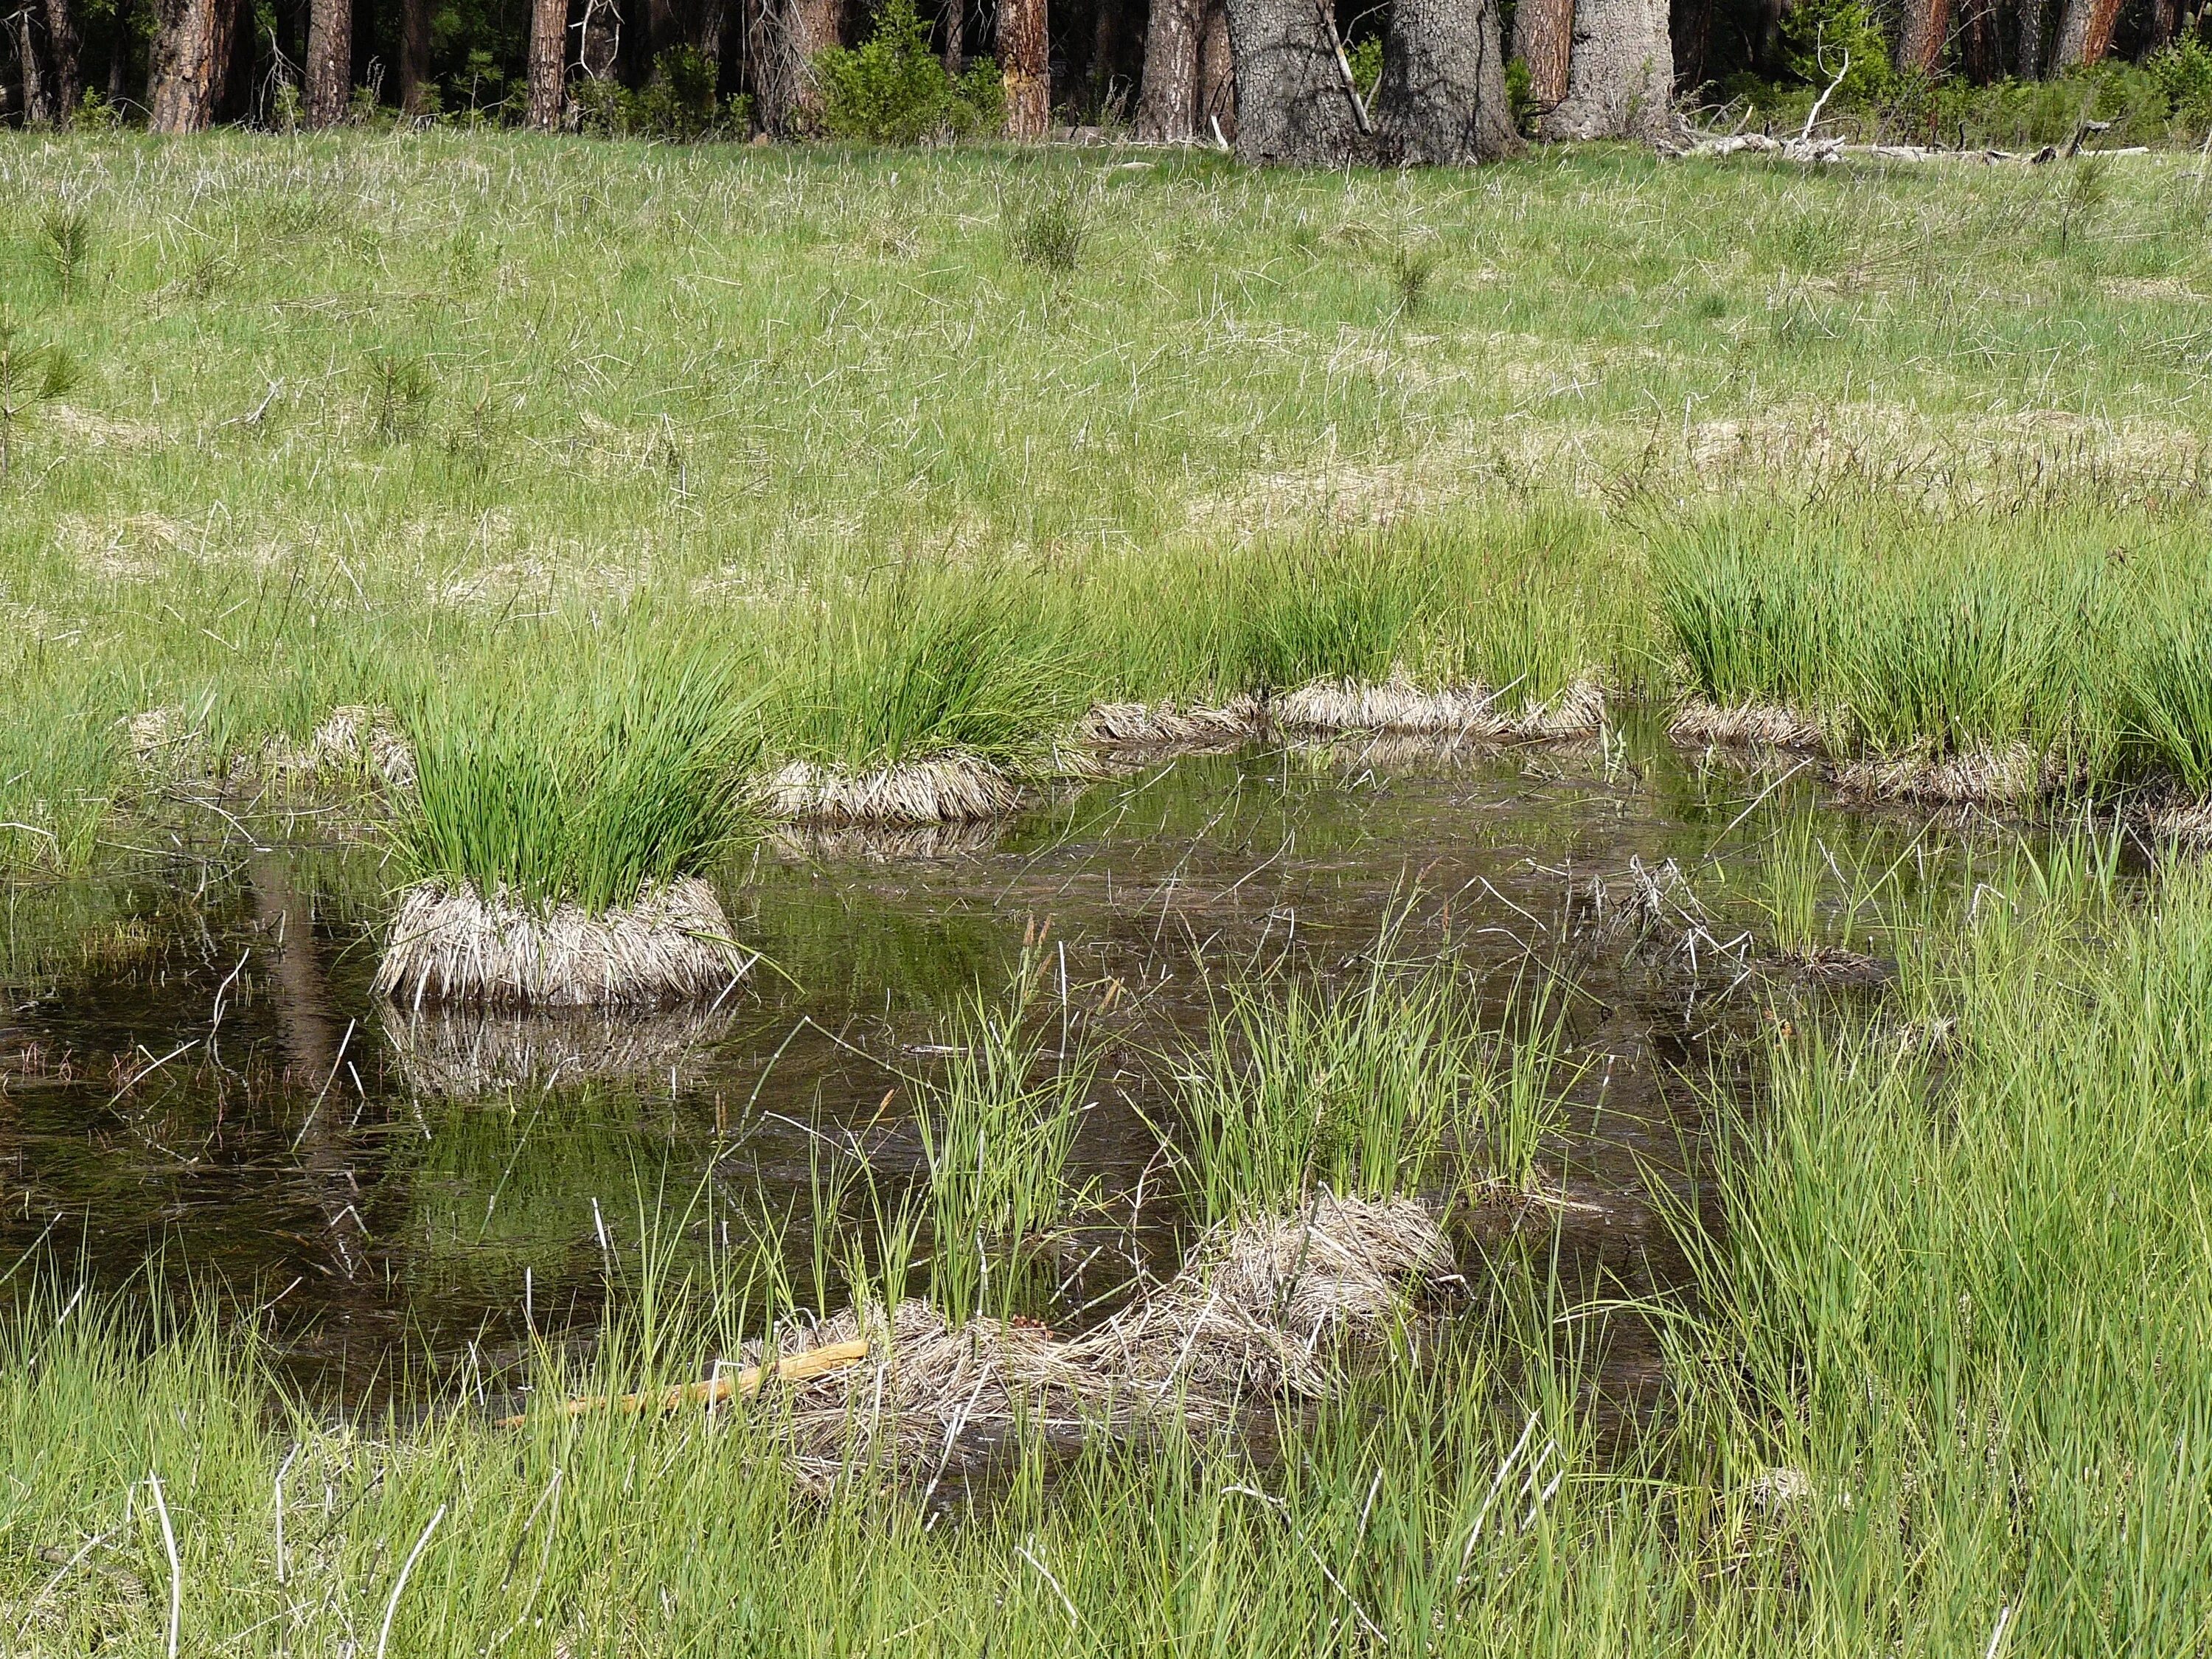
x=1314, y=81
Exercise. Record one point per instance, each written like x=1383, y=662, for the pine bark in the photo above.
x=30, y=53
x=65, y=65
x=1442, y=99
x=1024, y=62
x=1292, y=107
x=1217, y=75
x=414, y=54
x=2085, y=33
x=329, y=87
x=956, y=37
x=1167, y=105
x=1543, y=38
x=2030, y=41
x=600, y=46
x=548, y=58
x=191, y=53
x=1927, y=28
x=1621, y=74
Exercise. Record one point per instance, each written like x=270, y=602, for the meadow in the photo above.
x=610, y=481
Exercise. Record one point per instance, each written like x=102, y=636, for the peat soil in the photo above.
x=194, y=1076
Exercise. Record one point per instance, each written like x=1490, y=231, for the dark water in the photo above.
x=196, y=1075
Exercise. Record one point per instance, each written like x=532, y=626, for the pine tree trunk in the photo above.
x=2085, y=33
x=1292, y=106
x=1543, y=37
x=1621, y=74
x=329, y=63
x=2165, y=19
x=1217, y=75
x=414, y=54
x=190, y=53
x=548, y=58
x=2031, y=39
x=30, y=54
x=1927, y=28
x=1025, y=61
x=1167, y=106
x=1442, y=99
x=64, y=60
x=956, y=37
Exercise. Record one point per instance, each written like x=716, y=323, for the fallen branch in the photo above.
x=744, y=1385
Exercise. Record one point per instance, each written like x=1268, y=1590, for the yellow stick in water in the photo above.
x=743, y=1385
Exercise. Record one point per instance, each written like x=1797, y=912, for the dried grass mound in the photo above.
x=2016, y=775
x=451, y=945
x=1112, y=725
x=473, y=1051
x=2186, y=822
x=947, y=789
x=1747, y=725
x=876, y=843
x=1268, y=1307
x=166, y=746
x=1398, y=706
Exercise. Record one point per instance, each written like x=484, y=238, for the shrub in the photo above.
x=1050, y=234
x=1819, y=36
x=893, y=89
x=677, y=105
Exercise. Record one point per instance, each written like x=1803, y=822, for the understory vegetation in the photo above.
x=1941, y=1390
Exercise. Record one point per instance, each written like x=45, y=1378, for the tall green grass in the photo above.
x=579, y=775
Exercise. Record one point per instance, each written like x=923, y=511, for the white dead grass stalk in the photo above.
x=1267, y=1307
x=357, y=743
x=952, y=788
x=1751, y=724
x=1398, y=706
x=2015, y=776
x=1112, y=725
x=451, y=945
x=474, y=1050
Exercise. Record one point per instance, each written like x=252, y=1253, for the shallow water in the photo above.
x=195, y=1074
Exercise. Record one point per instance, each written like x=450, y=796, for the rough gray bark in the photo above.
x=781, y=37
x=956, y=37
x=64, y=60
x=329, y=63
x=1442, y=99
x=1167, y=105
x=598, y=44
x=1620, y=76
x=414, y=54
x=1543, y=38
x=30, y=51
x=2031, y=39
x=1292, y=106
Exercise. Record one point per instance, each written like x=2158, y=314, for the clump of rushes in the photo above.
x=1361, y=1091
x=926, y=699
x=557, y=841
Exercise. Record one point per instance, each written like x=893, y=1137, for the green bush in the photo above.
x=678, y=103
x=893, y=89
x=1819, y=37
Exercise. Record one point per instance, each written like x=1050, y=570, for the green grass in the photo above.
x=365, y=414
x=588, y=772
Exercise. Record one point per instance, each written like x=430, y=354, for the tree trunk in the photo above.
x=1023, y=60
x=2165, y=19
x=414, y=54
x=782, y=37
x=329, y=87
x=2085, y=33
x=956, y=37
x=548, y=58
x=2031, y=39
x=192, y=51
x=30, y=53
x=1217, y=75
x=64, y=60
x=1167, y=104
x=1621, y=74
x=599, y=45
x=1293, y=108
x=1543, y=36
x=1442, y=99
x=1926, y=28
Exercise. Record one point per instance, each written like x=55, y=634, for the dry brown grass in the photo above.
x=1764, y=725
x=945, y=789
x=2015, y=776
x=474, y=1050
x=1397, y=706
x=452, y=944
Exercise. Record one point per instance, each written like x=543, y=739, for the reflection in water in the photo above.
x=398, y=1185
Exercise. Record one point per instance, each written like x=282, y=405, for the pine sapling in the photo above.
x=29, y=375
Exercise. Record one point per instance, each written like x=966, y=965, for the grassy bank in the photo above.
x=1942, y=1389
x=362, y=417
